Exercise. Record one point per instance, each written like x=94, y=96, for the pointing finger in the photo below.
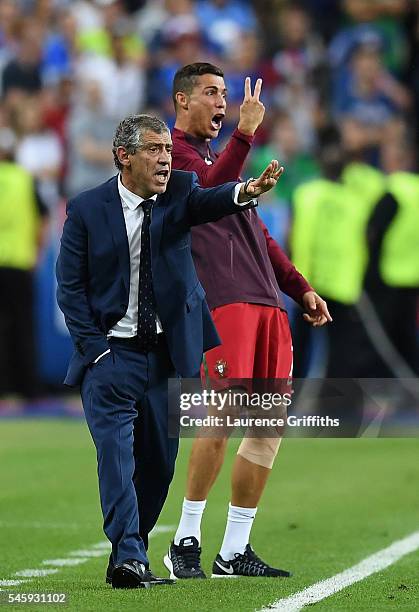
x=258, y=88
x=279, y=172
x=247, y=90
x=275, y=170
x=268, y=172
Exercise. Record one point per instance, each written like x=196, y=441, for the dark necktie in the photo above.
x=146, y=332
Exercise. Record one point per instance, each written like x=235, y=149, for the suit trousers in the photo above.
x=125, y=400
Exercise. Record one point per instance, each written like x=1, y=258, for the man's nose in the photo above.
x=221, y=102
x=164, y=157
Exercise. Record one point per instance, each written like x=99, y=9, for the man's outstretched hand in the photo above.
x=316, y=311
x=266, y=181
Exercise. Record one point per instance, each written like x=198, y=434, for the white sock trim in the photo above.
x=237, y=532
x=241, y=514
x=190, y=520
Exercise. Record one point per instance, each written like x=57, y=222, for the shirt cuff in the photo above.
x=236, y=196
x=102, y=355
x=244, y=137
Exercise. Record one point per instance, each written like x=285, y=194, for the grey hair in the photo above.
x=130, y=132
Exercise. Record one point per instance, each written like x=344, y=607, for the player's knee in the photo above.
x=219, y=443
x=261, y=451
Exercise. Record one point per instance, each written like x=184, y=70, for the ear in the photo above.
x=122, y=155
x=182, y=100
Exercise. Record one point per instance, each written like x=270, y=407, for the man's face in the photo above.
x=207, y=106
x=150, y=166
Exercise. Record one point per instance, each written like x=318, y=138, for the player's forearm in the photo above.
x=210, y=204
x=289, y=280
x=229, y=164
x=293, y=284
x=226, y=168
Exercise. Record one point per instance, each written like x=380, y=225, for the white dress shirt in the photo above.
x=134, y=215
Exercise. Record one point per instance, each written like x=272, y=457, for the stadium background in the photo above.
x=70, y=70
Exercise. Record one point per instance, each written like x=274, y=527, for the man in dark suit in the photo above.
x=137, y=316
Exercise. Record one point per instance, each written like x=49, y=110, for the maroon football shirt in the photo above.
x=236, y=259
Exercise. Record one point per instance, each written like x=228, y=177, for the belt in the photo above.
x=133, y=342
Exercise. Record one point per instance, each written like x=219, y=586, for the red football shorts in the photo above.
x=256, y=343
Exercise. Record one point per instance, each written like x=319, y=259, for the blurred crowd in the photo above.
x=71, y=69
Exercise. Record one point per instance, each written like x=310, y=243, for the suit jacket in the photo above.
x=93, y=269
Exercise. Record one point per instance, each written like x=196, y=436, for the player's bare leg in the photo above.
x=205, y=462
x=251, y=470
x=184, y=556
x=248, y=482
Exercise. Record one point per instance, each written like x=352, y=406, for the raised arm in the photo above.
x=213, y=203
x=229, y=164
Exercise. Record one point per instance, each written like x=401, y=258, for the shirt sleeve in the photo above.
x=236, y=196
x=227, y=167
x=289, y=280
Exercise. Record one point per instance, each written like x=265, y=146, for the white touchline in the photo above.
x=325, y=588
x=42, y=525
x=75, y=557
x=161, y=529
x=88, y=553
x=105, y=544
x=35, y=573
x=64, y=562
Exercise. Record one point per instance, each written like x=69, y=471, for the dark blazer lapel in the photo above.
x=116, y=221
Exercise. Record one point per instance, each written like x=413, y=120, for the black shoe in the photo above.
x=184, y=560
x=247, y=564
x=109, y=570
x=133, y=574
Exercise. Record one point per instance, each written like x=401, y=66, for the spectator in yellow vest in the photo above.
x=329, y=246
x=23, y=222
x=392, y=279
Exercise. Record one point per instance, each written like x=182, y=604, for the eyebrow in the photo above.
x=224, y=90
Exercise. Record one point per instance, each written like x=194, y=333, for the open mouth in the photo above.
x=217, y=121
x=162, y=175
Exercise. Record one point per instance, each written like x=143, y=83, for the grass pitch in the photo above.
x=328, y=504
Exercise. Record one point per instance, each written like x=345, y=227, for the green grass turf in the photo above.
x=328, y=504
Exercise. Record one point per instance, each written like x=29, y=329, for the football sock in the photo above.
x=190, y=521
x=237, y=533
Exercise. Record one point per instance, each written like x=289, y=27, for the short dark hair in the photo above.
x=186, y=78
x=130, y=132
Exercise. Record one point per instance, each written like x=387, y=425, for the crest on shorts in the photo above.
x=221, y=368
